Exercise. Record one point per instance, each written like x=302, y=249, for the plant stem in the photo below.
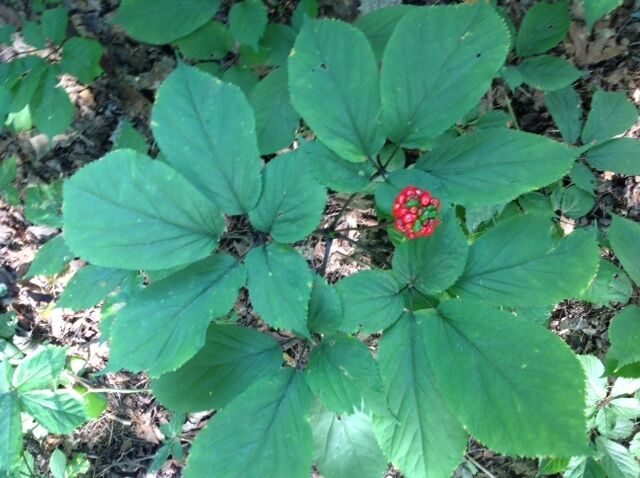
x=480, y=467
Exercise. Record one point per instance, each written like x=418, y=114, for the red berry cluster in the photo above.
x=417, y=213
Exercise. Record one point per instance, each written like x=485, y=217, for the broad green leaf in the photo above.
x=51, y=259
x=594, y=10
x=583, y=177
x=6, y=31
x=39, y=370
x=584, y=467
x=620, y=155
x=624, y=335
x=624, y=236
x=334, y=86
x=345, y=446
x=306, y=9
x=550, y=466
x=494, y=166
x=130, y=138
x=548, y=73
x=127, y=211
x=8, y=323
x=248, y=22
x=178, y=310
x=519, y=263
x=610, y=286
x=276, y=120
x=494, y=119
x=378, y=25
x=31, y=71
x=335, y=172
x=527, y=386
x=596, y=381
x=573, y=202
x=8, y=175
x=280, y=283
x=244, y=78
x=424, y=439
x=10, y=430
x=278, y=40
x=206, y=128
x=52, y=109
x=43, y=204
x=371, y=301
x=163, y=21
x=325, y=308
x=344, y=376
x=432, y=264
x=90, y=285
x=276, y=441
x=612, y=113
x=292, y=200
x=616, y=460
x=565, y=107
x=543, y=27
x=210, y=41
x=59, y=411
x=33, y=35
x=81, y=58
x=58, y=464
x=456, y=45
x=232, y=359
x=54, y=24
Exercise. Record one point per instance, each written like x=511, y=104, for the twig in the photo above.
x=479, y=466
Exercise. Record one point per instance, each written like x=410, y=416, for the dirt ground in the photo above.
x=123, y=442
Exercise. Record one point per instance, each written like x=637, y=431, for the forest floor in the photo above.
x=124, y=440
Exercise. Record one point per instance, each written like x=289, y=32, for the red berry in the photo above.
x=436, y=203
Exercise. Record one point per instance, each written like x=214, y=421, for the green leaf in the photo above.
x=39, y=370
x=334, y=86
x=232, y=359
x=344, y=376
x=624, y=236
x=43, y=204
x=58, y=464
x=210, y=41
x=494, y=166
x=244, y=78
x=620, y=155
x=10, y=430
x=277, y=441
x=573, y=202
x=248, y=22
x=8, y=175
x=278, y=41
x=519, y=263
x=612, y=113
x=292, y=200
x=371, y=301
x=127, y=211
x=30, y=71
x=527, y=386
x=206, y=128
x=306, y=9
x=551, y=466
x=378, y=26
x=611, y=286
x=52, y=110
x=32, y=34
x=276, y=120
x=594, y=10
x=90, y=285
x=543, y=27
x=6, y=31
x=345, y=446
x=624, y=335
x=130, y=138
x=424, y=439
x=548, y=73
x=59, y=412
x=616, y=460
x=163, y=21
x=583, y=177
x=565, y=107
x=335, y=172
x=178, y=310
x=432, y=264
x=280, y=283
x=457, y=45
x=51, y=259
x=8, y=323
x=54, y=24
x=325, y=308
x=81, y=58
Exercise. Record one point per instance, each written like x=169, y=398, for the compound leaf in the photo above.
x=422, y=437
x=165, y=325
x=325, y=308
x=519, y=263
x=230, y=361
x=528, y=388
x=39, y=370
x=334, y=86
x=130, y=212
x=612, y=113
x=624, y=236
x=430, y=54
x=610, y=286
x=543, y=27
x=565, y=107
x=617, y=461
x=59, y=411
x=619, y=155
x=292, y=200
x=494, y=166
x=277, y=441
x=280, y=283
